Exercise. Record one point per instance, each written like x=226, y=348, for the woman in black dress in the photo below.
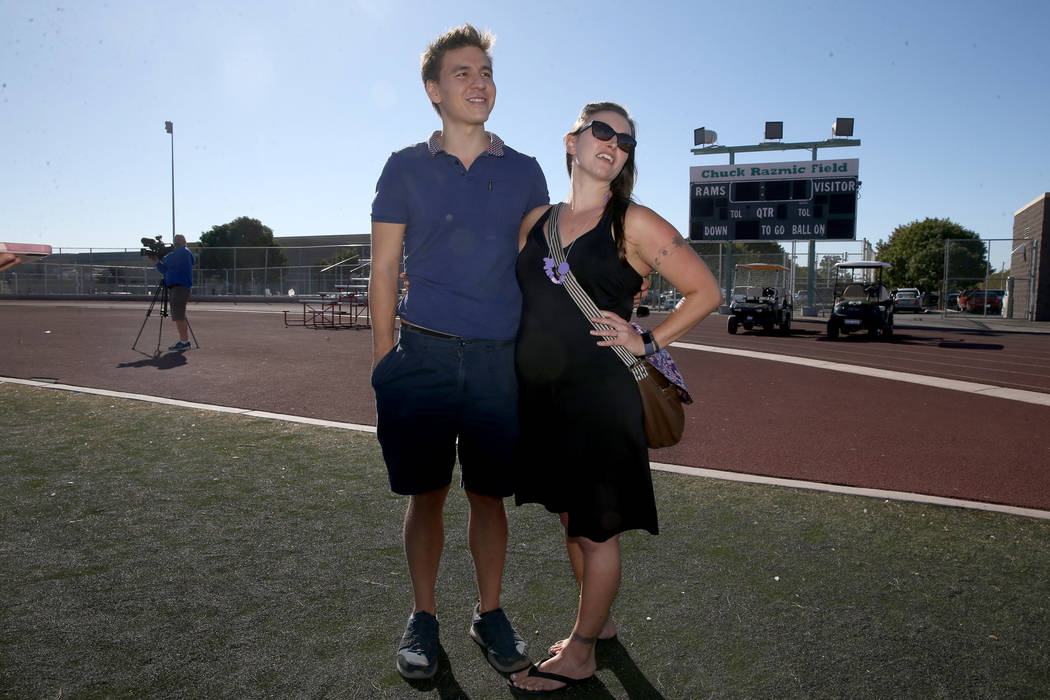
x=583, y=448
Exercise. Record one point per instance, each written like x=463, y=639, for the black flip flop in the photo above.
x=534, y=670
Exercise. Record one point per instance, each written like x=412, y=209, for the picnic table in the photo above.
x=346, y=307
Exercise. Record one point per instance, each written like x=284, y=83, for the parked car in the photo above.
x=952, y=300
x=1000, y=299
x=986, y=301
x=907, y=300
x=668, y=300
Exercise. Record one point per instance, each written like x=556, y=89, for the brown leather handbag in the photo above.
x=662, y=406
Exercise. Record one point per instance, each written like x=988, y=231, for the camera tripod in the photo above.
x=161, y=293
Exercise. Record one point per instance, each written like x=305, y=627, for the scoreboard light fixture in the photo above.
x=704, y=136
x=843, y=126
x=774, y=130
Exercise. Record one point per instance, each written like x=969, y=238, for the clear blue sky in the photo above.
x=286, y=112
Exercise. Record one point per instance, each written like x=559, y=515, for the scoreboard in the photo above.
x=805, y=200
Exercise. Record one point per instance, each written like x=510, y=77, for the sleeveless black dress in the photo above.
x=582, y=446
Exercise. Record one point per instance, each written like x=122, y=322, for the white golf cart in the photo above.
x=862, y=302
x=761, y=298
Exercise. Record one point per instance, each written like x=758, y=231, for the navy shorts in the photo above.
x=436, y=393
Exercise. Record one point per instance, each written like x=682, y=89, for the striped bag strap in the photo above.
x=583, y=300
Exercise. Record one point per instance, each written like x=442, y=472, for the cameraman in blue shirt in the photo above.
x=177, y=267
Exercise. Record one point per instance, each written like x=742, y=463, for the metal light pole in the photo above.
x=170, y=128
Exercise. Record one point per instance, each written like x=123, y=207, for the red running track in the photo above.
x=751, y=416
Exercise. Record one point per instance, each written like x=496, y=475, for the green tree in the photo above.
x=826, y=271
x=256, y=247
x=916, y=252
x=997, y=278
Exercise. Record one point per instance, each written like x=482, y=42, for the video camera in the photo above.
x=155, y=247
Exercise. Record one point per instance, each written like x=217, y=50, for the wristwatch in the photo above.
x=651, y=348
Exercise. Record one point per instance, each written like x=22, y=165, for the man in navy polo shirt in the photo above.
x=452, y=205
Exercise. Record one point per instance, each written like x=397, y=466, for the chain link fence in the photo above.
x=973, y=283
x=219, y=272
x=662, y=294
x=1005, y=276
x=1006, y=272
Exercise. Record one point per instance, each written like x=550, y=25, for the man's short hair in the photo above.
x=456, y=38
x=179, y=239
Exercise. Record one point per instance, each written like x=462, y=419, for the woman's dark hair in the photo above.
x=623, y=184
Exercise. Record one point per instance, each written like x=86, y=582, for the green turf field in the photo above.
x=151, y=551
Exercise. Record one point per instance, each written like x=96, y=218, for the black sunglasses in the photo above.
x=604, y=132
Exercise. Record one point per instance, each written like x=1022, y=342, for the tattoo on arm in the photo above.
x=668, y=251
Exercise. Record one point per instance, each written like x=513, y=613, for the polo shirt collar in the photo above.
x=495, y=144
